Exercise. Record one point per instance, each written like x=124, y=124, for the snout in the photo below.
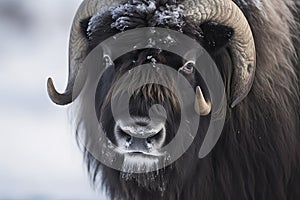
x=140, y=136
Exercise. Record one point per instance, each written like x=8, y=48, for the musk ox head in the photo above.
x=222, y=27
x=198, y=12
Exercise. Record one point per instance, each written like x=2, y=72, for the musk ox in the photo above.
x=255, y=45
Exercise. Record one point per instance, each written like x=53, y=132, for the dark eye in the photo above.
x=188, y=67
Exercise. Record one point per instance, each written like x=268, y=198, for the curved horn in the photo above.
x=78, y=46
x=202, y=106
x=226, y=12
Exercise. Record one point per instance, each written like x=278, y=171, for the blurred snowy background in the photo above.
x=39, y=158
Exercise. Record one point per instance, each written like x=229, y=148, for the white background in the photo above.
x=39, y=158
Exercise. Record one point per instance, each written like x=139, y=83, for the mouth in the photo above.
x=140, y=162
x=146, y=154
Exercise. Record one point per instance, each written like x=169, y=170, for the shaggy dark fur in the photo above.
x=258, y=154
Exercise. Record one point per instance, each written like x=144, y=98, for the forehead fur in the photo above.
x=138, y=13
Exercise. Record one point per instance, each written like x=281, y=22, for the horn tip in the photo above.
x=233, y=103
x=57, y=98
x=50, y=87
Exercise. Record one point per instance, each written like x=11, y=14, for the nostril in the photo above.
x=129, y=138
x=155, y=138
x=122, y=134
x=148, y=140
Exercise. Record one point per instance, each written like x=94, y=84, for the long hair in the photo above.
x=258, y=154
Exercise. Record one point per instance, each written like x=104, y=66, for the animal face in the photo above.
x=141, y=138
x=138, y=138
x=254, y=143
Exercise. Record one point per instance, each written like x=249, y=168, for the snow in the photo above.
x=150, y=13
x=171, y=15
